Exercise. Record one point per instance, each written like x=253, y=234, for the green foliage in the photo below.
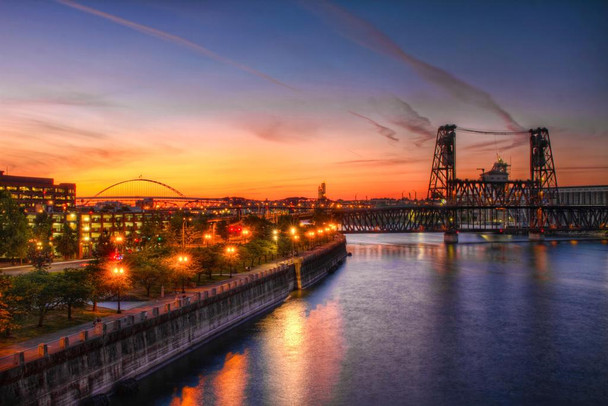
x=207, y=259
x=67, y=243
x=260, y=227
x=105, y=247
x=74, y=288
x=8, y=313
x=40, y=257
x=36, y=291
x=14, y=229
x=180, y=272
x=43, y=228
x=147, y=267
x=152, y=232
x=96, y=271
x=221, y=229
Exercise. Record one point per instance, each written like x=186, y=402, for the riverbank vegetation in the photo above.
x=156, y=262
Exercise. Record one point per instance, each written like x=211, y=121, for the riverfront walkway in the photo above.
x=52, y=342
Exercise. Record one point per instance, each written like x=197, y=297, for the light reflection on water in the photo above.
x=408, y=320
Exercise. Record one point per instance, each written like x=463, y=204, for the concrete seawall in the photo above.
x=137, y=344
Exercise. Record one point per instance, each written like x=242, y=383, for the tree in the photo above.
x=36, y=291
x=152, y=231
x=221, y=229
x=117, y=281
x=74, y=288
x=96, y=271
x=8, y=312
x=40, y=257
x=105, y=247
x=14, y=230
x=206, y=260
x=182, y=270
x=147, y=268
x=43, y=228
x=67, y=243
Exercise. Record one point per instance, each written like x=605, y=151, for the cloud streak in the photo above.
x=279, y=129
x=173, y=39
x=380, y=162
x=403, y=115
x=367, y=35
x=382, y=130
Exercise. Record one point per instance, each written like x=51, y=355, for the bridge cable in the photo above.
x=491, y=132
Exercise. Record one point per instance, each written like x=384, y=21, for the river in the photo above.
x=409, y=320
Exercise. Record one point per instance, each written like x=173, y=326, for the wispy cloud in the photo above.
x=75, y=99
x=367, y=35
x=174, y=39
x=403, y=115
x=382, y=130
x=55, y=128
x=279, y=129
x=380, y=162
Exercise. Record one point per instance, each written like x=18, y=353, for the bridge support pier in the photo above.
x=450, y=237
x=536, y=236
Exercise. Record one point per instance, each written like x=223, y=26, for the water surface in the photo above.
x=409, y=320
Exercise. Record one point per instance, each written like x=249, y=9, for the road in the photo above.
x=55, y=267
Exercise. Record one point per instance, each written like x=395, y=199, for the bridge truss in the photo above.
x=472, y=219
x=481, y=205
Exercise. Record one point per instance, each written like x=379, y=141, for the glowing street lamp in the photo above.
x=245, y=234
x=207, y=237
x=182, y=261
x=230, y=253
x=118, y=274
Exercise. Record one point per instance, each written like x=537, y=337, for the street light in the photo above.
x=294, y=241
x=184, y=219
x=207, y=237
x=119, y=272
x=230, y=253
x=245, y=234
x=182, y=262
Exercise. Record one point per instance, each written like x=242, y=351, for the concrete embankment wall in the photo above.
x=137, y=344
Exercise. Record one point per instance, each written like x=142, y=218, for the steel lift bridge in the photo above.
x=453, y=205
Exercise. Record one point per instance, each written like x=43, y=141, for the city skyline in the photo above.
x=269, y=99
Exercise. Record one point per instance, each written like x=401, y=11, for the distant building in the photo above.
x=322, y=192
x=583, y=195
x=37, y=194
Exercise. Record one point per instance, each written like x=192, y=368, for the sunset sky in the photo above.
x=267, y=99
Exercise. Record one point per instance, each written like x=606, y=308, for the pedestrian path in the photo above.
x=31, y=345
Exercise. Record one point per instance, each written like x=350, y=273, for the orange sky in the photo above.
x=215, y=103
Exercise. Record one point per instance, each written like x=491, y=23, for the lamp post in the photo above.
x=207, y=238
x=245, y=234
x=294, y=241
x=311, y=237
x=182, y=262
x=184, y=219
x=230, y=253
x=119, y=273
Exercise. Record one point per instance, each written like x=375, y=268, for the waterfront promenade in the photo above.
x=31, y=348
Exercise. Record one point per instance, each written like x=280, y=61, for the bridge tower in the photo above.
x=443, y=172
x=544, y=190
x=542, y=168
